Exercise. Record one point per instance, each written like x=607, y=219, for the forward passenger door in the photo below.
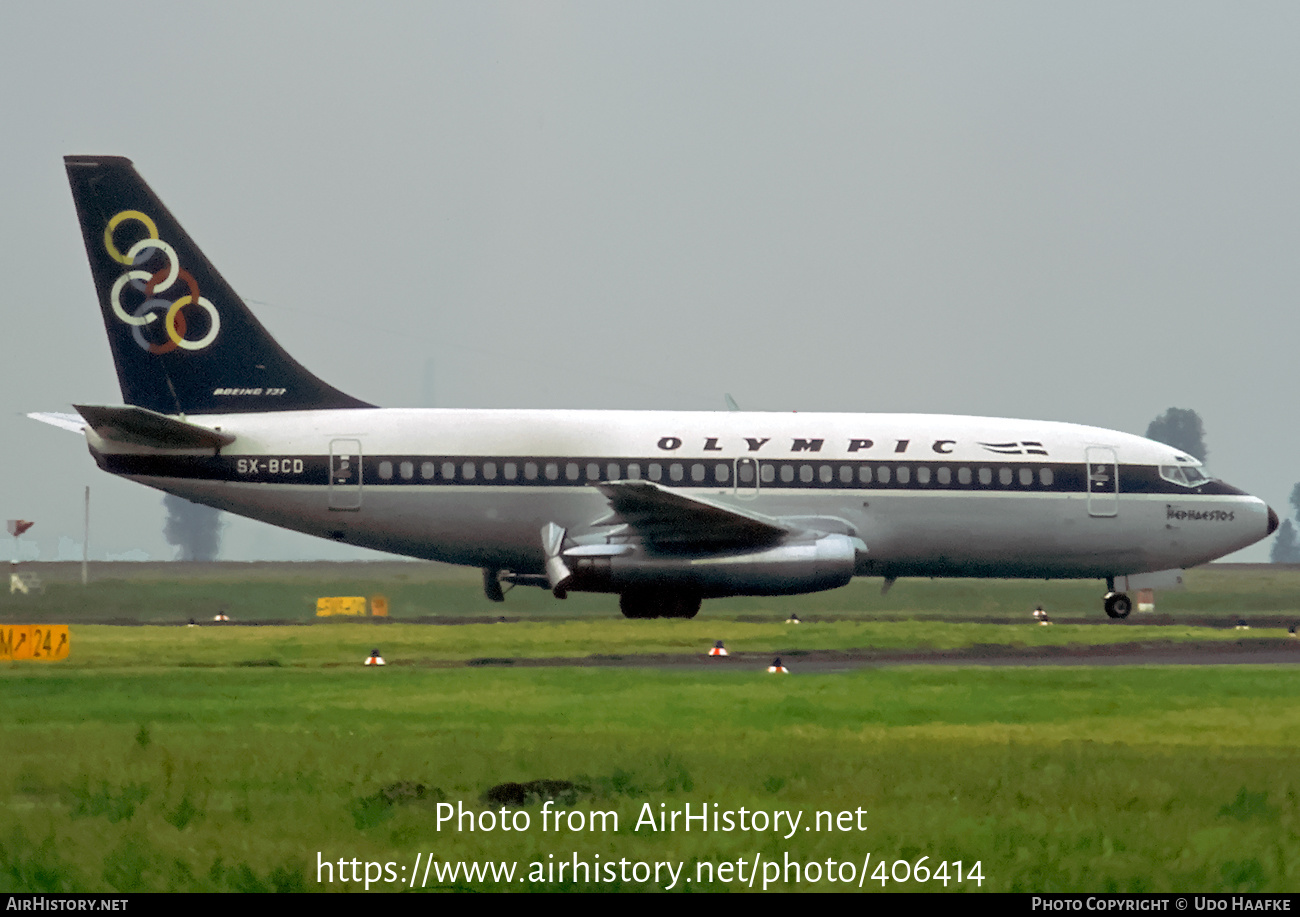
x=1103, y=481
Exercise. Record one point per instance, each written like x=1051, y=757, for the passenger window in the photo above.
x=428, y=470
x=530, y=470
x=386, y=470
x=467, y=471
x=593, y=471
x=449, y=471
x=1004, y=476
x=747, y=473
x=768, y=474
x=511, y=471
x=552, y=471
x=571, y=471
x=697, y=473
x=904, y=474
x=675, y=471
x=864, y=474
x=656, y=471
x=846, y=474
x=408, y=470
x=490, y=471
x=787, y=473
x=634, y=471
x=1045, y=476
x=1026, y=477
x=806, y=473
x=986, y=475
x=611, y=471
x=963, y=475
x=923, y=475
x=945, y=475
x=882, y=474
x=826, y=473
x=723, y=473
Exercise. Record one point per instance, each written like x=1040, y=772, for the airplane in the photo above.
x=662, y=508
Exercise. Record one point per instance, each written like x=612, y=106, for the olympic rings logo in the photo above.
x=151, y=283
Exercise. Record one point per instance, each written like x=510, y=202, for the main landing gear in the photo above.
x=659, y=603
x=1118, y=605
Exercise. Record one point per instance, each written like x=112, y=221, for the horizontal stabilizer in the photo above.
x=70, y=422
x=131, y=424
x=665, y=516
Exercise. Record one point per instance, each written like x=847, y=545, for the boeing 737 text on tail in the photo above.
x=662, y=508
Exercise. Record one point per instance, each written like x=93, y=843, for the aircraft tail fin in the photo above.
x=183, y=342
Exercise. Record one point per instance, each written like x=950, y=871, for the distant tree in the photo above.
x=1182, y=429
x=194, y=529
x=1286, y=548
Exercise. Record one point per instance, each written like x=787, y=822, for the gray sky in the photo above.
x=1084, y=212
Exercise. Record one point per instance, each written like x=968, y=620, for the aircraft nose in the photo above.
x=1272, y=521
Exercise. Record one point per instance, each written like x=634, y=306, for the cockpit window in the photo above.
x=1184, y=475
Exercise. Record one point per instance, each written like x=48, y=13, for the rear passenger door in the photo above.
x=345, y=474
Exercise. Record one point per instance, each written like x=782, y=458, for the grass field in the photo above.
x=172, y=592
x=240, y=758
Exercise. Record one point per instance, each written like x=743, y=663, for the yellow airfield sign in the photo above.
x=37, y=642
x=340, y=605
x=352, y=605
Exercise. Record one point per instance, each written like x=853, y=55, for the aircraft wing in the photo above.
x=667, y=517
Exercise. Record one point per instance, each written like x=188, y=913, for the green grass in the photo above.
x=347, y=644
x=228, y=758
x=1053, y=779
x=283, y=592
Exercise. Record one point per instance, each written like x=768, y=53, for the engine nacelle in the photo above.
x=790, y=568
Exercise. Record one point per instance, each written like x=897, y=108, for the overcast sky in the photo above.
x=1083, y=212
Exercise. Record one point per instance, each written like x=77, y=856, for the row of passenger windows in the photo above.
x=699, y=473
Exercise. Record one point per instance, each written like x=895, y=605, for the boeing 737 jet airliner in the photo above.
x=662, y=508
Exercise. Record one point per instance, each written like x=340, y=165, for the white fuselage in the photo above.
x=928, y=495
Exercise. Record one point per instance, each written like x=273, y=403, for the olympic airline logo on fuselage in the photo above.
x=152, y=284
x=898, y=446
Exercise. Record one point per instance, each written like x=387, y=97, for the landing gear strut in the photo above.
x=659, y=603
x=1118, y=605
